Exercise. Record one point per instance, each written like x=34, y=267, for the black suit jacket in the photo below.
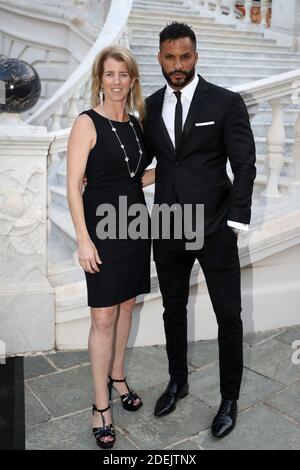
x=197, y=172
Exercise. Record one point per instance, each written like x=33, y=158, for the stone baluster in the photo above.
x=206, y=4
x=54, y=158
x=56, y=119
x=218, y=9
x=231, y=5
x=73, y=109
x=248, y=6
x=252, y=111
x=295, y=184
x=87, y=95
x=275, y=152
x=125, y=38
x=264, y=13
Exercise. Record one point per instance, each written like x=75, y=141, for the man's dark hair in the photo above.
x=177, y=30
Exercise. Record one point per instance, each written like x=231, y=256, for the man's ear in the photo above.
x=159, y=58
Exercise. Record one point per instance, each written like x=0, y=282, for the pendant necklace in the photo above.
x=131, y=173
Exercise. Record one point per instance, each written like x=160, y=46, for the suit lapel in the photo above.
x=195, y=107
x=159, y=122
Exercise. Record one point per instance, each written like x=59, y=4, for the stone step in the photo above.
x=70, y=295
x=65, y=273
x=226, y=59
x=155, y=5
x=272, y=55
x=228, y=38
x=60, y=217
x=141, y=27
x=162, y=2
x=61, y=177
x=223, y=81
x=178, y=10
x=217, y=78
x=206, y=68
x=220, y=43
x=58, y=196
x=164, y=18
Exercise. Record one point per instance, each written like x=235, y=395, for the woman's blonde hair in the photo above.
x=120, y=54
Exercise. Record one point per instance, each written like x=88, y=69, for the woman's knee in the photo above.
x=128, y=305
x=103, y=319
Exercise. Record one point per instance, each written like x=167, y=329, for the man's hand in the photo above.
x=84, y=181
x=148, y=177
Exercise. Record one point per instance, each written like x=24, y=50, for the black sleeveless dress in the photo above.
x=125, y=269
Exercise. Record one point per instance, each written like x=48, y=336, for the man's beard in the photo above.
x=179, y=82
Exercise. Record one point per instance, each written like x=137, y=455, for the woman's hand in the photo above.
x=88, y=256
x=148, y=177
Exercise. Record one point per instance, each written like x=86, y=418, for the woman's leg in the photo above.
x=101, y=340
x=122, y=330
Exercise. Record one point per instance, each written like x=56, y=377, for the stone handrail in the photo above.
x=113, y=31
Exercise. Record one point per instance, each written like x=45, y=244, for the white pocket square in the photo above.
x=207, y=123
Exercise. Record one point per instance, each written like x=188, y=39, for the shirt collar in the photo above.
x=188, y=91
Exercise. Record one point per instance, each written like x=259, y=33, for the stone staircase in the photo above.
x=227, y=57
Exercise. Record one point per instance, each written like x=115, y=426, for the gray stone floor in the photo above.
x=59, y=396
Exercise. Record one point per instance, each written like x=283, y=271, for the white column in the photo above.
x=218, y=10
x=231, y=5
x=275, y=155
x=264, y=13
x=248, y=6
x=73, y=109
x=27, y=302
x=87, y=95
x=296, y=155
x=295, y=184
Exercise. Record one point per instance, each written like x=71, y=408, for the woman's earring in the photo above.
x=131, y=101
x=101, y=97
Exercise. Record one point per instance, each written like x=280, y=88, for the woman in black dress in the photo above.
x=106, y=144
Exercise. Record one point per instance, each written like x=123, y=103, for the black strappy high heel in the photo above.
x=104, y=431
x=127, y=399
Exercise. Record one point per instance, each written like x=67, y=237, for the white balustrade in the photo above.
x=87, y=95
x=218, y=9
x=264, y=13
x=248, y=6
x=73, y=109
x=231, y=5
x=56, y=119
x=276, y=142
x=295, y=184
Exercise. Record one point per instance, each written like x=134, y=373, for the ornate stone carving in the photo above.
x=22, y=218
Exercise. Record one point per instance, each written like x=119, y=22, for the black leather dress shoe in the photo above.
x=167, y=401
x=225, y=419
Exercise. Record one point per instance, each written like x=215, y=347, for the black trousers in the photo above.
x=219, y=261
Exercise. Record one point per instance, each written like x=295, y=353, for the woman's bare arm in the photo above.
x=81, y=140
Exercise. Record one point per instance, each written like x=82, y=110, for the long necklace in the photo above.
x=131, y=173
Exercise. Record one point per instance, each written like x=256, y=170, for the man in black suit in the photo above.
x=192, y=127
